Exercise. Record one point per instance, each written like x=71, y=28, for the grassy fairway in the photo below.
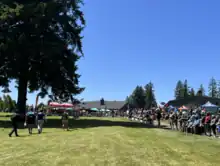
x=105, y=145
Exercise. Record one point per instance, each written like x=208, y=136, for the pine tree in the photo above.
x=34, y=47
x=192, y=92
x=150, y=100
x=213, y=91
x=218, y=95
x=2, y=107
x=201, y=91
x=11, y=103
x=179, y=90
x=138, y=97
x=186, y=89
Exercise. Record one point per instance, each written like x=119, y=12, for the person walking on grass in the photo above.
x=15, y=120
x=158, y=116
x=65, y=120
x=30, y=120
x=40, y=121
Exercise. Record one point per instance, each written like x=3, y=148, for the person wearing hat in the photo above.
x=15, y=120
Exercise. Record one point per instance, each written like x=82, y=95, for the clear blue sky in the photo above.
x=129, y=43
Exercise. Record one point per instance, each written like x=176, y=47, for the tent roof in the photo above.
x=183, y=108
x=105, y=110
x=94, y=109
x=209, y=104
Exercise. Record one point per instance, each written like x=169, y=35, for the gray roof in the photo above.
x=108, y=104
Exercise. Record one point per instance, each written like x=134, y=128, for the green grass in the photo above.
x=109, y=142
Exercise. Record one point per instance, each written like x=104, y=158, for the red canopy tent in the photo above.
x=67, y=105
x=55, y=104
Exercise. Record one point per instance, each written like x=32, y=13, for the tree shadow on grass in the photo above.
x=86, y=123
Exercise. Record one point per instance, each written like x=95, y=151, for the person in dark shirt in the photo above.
x=14, y=119
x=214, y=121
x=65, y=120
x=158, y=116
x=30, y=121
x=40, y=121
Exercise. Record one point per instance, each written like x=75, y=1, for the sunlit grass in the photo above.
x=106, y=145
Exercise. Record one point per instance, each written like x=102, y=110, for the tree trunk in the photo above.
x=22, y=94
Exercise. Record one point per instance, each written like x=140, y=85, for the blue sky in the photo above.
x=129, y=43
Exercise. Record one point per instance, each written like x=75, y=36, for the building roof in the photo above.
x=108, y=104
x=194, y=101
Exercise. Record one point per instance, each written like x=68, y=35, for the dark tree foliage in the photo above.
x=185, y=89
x=213, y=89
x=192, y=92
x=138, y=97
x=201, y=91
x=150, y=100
x=179, y=90
x=40, y=43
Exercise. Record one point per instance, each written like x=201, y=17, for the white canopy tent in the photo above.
x=209, y=107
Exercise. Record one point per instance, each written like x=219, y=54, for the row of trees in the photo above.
x=40, y=43
x=142, y=97
x=7, y=104
x=183, y=90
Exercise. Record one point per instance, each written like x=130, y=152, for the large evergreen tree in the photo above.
x=150, y=96
x=129, y=101
x=213, y=91
x=185, y=89
x=2, y=105
x=218, y=93
x=138, y=97
x=40, y=45
x=6, y=103
x=179, y=90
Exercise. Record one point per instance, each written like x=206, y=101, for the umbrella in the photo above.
x=69, y=109
x=94, y=109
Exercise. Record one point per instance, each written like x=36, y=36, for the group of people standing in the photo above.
x=147, y=116
x=31, y=119
x=196, y=121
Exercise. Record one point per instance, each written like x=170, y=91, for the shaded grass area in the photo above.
x=107, y=144
x=55, y=122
